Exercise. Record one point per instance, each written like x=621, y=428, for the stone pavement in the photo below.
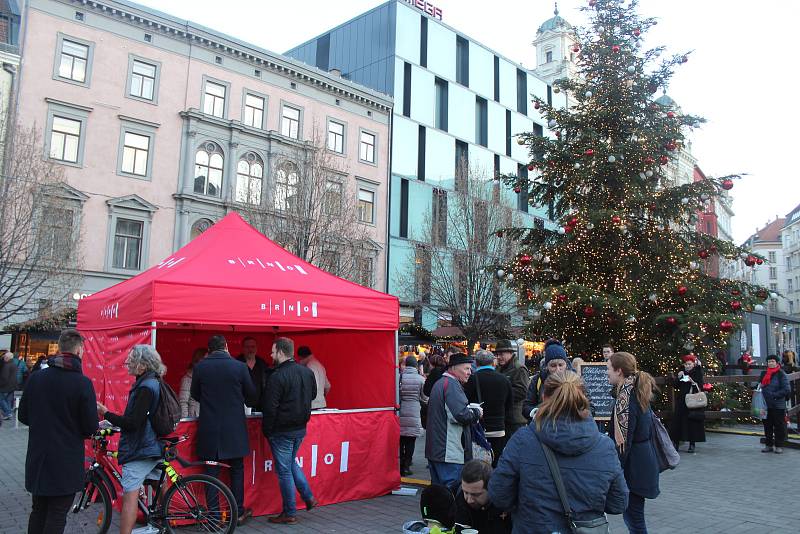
x=727, y=487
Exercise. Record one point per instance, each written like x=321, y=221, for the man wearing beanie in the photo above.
x=508, y=365
x=555, y=361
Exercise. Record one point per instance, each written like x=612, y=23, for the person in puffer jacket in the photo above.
x=587, y=460
x=411, y=383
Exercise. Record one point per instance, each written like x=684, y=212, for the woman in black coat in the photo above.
x=688, y=425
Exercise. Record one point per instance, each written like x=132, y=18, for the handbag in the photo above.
x=667, y=456
x=759, y=408
x=598, y=525
x=696, y=400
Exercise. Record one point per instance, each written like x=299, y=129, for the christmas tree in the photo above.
x=626, y=265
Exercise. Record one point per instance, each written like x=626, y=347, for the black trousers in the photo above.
x=237, y=482
x=49, y=514
x=775, y=427
x=498, y=444
x=406, y=450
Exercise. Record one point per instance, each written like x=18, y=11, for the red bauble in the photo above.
x=616, y=219
x=589, y=152
x=588, y=311
x=499, y=233
x=573, y=221
x=707, y=386
x=703, y=254
x=568, y=229
x=525, y=260
x=615, y=48
x=517, y=189
x=558, y=134
x=759, y=261
x=670, y=115
x=727, y=185
x=664, y=160
x=637, y=32
x=672, y=321
x=671, y=146
x=576, y=48
x=736, y=305
x=530, y=294
x=531, y=166
x=682, y=290
x=750, y=261
x=726, y=326
x=562, y=297
x=735, y=292
x=649, y=161
x=536, y=105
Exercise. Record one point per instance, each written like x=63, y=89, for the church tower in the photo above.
x=555, y=57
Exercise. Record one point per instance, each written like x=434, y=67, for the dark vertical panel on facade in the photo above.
x=423, y=41
x=522, y=196
x=508, y=133
x=323, y=52
x=462, y=61
x=496, y=79
x=440, y=94
x=403, y=208
x=522, y=92
x=496, y=166
x=549, y=95
x=481, y=121
x=421, y=154
x=407, y=89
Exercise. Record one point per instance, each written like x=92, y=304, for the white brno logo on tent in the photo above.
x=110, y=312
x=258, y=263
x=327, y=459
x=288, y=308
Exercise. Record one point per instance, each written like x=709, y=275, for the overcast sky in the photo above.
x=738, y=77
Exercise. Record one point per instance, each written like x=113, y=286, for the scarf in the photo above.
x=768, y=375
x=66, y=361
x=622, y=411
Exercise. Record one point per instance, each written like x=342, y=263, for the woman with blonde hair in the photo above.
x=632, y=430
x=587, y=463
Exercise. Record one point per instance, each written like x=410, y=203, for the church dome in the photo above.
x=555, y=23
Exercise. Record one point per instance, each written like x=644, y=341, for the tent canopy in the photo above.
x=234, y=275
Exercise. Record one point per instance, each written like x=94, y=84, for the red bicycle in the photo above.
x=198, y=501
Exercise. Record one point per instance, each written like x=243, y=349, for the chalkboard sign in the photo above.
x=595, y=378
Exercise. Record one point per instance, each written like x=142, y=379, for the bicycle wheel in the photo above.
x=91, y=511
x=185, y=504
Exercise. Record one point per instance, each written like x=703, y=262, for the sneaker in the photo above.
x=768, y=448
x=310, y=504
x=691, y=449
x=778, y=450
x=246, y=515
x=283, y=519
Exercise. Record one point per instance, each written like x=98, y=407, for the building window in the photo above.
x=253, y=111
x=135, y=153
x=773, y=286
x=65, y=139
x=439, y=218
x=789, y=285
x=249, y=178
x=336, y=137
x=366, y=149
x=329, y=261
x=461, y=171
x=332, y=201
x=423, y=42
x=286, y=182
x=403, y=208
x=522, y=92
x=462, y=61
x=508, y=133
x=290, y=122
x=407, y=88
x=440, y=106
x=496, y=79
x=366, y=206
x=771, y=256
x=522, y=196
x=143, y=80
x=55, y=230
x=208, y=164
x=421, y=153
x=128, y=244
x=548, y=57
x=199, y=227
x=481, y=121
x=214, y=99
x=364, y=269
x=773, y=273
x=422, y=273
x=74, y=60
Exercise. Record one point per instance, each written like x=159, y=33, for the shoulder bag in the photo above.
x=593, y=526
x=667, y=456
x=696, y=400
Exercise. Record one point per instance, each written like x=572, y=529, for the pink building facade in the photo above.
x=163, y=127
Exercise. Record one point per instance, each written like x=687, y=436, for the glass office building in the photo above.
x=453, y=98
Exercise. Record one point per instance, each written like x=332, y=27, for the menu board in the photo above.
x=598, y=388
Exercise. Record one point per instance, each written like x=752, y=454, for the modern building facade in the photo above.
x=454, y=100
x=9, y=56
x=790, y=235
x=163, y=126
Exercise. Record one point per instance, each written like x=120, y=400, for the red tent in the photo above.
x=234, y=281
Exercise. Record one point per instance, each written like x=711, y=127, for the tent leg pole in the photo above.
x=153, y=334
x=396, y=369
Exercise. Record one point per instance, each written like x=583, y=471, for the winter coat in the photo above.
x=259, y=374
x=411, y=383
x=496, y=395
x=776, y=391
x=189, y=406
x=589, y=467
x=221, y=385
x=140, y=443
x=433, y=377
x=287, y=401
x=60, y=407
x=532, y=395
x=638, y=458
x=22, y=372
x=520, y=379
x=448, y=438
x=688, y=425
x=8, y=376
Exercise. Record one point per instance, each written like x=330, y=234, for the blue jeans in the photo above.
x=284, y=447
x=445, y=474
x=7, y=403
x=634, y=515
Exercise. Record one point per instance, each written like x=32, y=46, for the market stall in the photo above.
x=232, y=280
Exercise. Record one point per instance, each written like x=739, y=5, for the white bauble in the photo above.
x=649, y=174
x=547, y=305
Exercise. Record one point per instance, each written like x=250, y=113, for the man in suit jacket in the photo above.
x=222, y=386
x=60, y=407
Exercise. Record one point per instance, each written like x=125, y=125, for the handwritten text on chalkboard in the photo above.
x=595, y=378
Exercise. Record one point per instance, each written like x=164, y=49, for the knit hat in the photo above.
x=459, y=358
x=555, y=351
x=411, y=361
x=774, y=357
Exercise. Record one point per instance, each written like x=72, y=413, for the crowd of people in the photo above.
x=59, y=406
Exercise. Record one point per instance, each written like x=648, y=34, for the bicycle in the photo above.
x=182, y=504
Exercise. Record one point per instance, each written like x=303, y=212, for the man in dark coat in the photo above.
x=258, y=367
x=520, y=379
x=286, y=411
x=222, y=386
x=60, y=407
x=491, y=389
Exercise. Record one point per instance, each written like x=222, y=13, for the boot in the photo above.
x=691, y=447
x=768, y=448
x=778, y=450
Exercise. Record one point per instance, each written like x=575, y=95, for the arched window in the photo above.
x=286, y=187
x=200, y=226
x=249, y=175
x=208, y=163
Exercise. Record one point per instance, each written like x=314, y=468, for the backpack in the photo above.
x=168, y=412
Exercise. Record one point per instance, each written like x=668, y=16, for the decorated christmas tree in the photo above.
x=625, y=265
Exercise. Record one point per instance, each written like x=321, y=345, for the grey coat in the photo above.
x=411, y=383
x=448, y=438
